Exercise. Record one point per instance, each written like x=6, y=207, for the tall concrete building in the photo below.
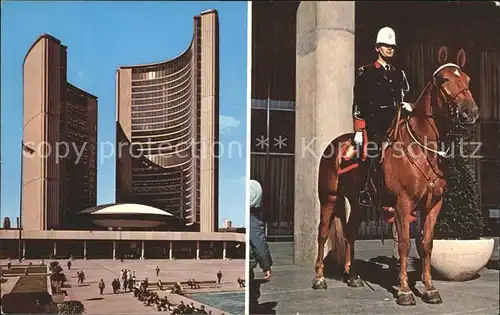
x=168, y=129
x=57, y=116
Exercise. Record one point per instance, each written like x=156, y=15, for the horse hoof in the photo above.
x=432, y=297
x=355, y=282
x=406, y=299
x=319, y=283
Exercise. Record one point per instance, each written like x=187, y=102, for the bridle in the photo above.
x=448, y=100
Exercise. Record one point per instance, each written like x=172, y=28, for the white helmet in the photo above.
x=386, y=36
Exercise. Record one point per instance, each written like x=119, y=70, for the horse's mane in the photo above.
x=423, y=102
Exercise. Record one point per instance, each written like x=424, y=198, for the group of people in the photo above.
x=176, y=288
x=190, y=309
x=150, y=298
x=241, y=282
x=128, y=280
x=193, y=284
x=80, y=276
x=128, y=284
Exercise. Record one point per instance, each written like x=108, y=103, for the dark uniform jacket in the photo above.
x=377, y=93
x=259, y=250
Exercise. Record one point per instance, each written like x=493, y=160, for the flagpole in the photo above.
x=20, y=223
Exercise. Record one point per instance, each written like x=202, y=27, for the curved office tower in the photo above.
x=168, y=128
x=57, y=116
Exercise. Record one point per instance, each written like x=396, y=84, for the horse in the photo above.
x=445, y=103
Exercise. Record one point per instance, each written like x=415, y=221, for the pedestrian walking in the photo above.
x=259, y=249
x=101, y=286
x=219, y=276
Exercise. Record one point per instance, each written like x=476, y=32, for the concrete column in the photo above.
x=170, y=250
x=24, y=248
x=114, y=249
x=55, y=249
x=224, y=244
x=84, y=249
x=142, y=250
x=197, y=249
x=324, y=80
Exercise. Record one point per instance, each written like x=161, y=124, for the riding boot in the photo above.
x=364, y=199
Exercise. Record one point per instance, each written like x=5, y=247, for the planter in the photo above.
x=58, y=298
x=460, y=260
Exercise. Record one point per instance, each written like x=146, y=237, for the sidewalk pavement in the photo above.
x=289, y=290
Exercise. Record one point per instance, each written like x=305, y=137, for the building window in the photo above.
x=281, y=131
x=258, y=131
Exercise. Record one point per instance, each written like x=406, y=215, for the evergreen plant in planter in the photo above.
x=459, y=252
x=71, y=307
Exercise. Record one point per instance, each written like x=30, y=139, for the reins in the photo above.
x=448, y=102
x=440, y=153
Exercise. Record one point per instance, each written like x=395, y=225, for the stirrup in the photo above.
x=364, y=199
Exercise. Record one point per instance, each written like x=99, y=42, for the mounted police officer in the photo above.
x=379, y=89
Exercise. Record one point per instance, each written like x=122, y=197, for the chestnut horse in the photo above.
x=412, y=173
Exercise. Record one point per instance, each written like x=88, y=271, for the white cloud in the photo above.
x=227, y=123
x=241, y=180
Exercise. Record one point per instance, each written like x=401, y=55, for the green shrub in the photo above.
x=53, y=264
x=58, y=277
x=57, y=269
x=460, y=216
x=71, y=307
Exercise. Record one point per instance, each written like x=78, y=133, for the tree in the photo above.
x=6, y=223
x=461, y=216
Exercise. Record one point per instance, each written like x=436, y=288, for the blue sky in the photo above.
x=101, y=36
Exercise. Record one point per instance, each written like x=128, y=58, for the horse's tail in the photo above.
x=337, y=238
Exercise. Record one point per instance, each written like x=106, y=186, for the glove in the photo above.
x=358, y=137
x=407, y=106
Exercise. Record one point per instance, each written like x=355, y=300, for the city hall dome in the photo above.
x=127, y=215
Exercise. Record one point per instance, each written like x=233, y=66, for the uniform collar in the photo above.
x=378, y=65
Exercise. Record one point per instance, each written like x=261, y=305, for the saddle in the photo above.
x=351, y=153
x=350, y=158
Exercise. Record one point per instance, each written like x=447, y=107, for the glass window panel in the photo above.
x=490, y=183
x=490, y=135
x=282, y=131
x=258, y=131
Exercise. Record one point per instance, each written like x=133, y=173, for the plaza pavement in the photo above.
x=7, y=287
x=289, y=290
x=126, y=303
